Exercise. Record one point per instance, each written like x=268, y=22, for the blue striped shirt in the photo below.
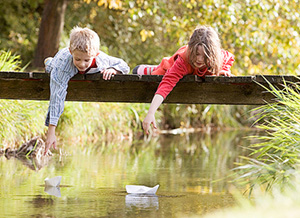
x=62, y=69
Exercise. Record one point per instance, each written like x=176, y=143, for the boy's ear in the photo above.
x=70, y=50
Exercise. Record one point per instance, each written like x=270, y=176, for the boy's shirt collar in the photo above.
x=93, y=65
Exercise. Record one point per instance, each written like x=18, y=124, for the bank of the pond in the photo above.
x=90, y=121
x=81, y=121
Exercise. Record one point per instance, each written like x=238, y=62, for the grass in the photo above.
x=274, y=159
x=10, y=62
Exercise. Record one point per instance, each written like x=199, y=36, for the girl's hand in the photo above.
x=225, y=73
x=108, y=73
x=149, y=119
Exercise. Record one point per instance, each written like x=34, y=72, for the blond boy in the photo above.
x=83, y=56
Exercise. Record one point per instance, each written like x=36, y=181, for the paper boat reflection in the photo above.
x=140, y=189
x=53, y=182
x=141, y=201
x=51, y=190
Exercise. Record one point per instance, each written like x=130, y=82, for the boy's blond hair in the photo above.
x=84, y=40
x=208, y=38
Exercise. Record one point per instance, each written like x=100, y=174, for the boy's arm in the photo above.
x=58, y=91
x=61, y=71
x=106, y=62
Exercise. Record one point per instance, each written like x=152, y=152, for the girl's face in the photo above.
x=199, y=59
x=82, y=60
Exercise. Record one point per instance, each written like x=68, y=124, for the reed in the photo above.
x=274, y=159
x=10, y=62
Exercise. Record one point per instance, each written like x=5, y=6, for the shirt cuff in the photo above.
x=164, y=95
x=53, y=121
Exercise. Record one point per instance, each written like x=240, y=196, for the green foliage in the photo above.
x=106, y=121
x=275, y=158
x=20, y=121
x=19, y=27
x=205, y=116
x=263, y=36
x=81, y=121
x=9, y=62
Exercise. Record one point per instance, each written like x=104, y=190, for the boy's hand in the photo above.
x=51, y=139
x=149, y=119
x=108, y=73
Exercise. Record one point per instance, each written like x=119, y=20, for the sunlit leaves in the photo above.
x=111, y=4
x=264, y=31
x=145, y=34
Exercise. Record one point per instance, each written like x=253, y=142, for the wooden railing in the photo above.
x=239, y=90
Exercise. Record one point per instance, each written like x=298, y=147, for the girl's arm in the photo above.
x=228, y=60
x=150, y=118
x=169, y=81
x=172, y=77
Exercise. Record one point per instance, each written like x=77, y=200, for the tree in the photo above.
x=51, y=27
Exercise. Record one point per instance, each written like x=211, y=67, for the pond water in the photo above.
x=189, y=168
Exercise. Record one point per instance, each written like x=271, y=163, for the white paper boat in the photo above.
x=54, y=182
x=140, y=189
x=55, y=191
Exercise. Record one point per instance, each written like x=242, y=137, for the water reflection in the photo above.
x=30, y=153
x=31, y=162
x=51, y=190
x=190, y=169
x=141, y=201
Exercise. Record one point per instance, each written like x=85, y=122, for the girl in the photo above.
x=202, y=56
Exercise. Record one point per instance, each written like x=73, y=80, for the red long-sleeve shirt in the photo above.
x=181, y=67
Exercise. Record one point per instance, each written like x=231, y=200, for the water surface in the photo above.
x=191, y=170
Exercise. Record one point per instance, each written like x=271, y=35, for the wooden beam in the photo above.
x=239, y=90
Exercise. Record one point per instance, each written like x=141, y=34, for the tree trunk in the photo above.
x=50, y=30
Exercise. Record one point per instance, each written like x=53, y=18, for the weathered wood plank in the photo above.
x=240, y=90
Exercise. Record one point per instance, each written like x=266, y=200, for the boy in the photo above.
x=83, y=56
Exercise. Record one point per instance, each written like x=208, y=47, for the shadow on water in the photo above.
x=191, y=170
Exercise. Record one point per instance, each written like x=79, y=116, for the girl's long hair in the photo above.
x=208, y=38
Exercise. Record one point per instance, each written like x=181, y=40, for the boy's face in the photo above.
x=82, y=60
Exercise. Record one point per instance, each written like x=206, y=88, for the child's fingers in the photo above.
x=154, y=124
x=108, y=74
x=46, y=149
x=104, y=75
x=54, y=145
x=146, y=127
